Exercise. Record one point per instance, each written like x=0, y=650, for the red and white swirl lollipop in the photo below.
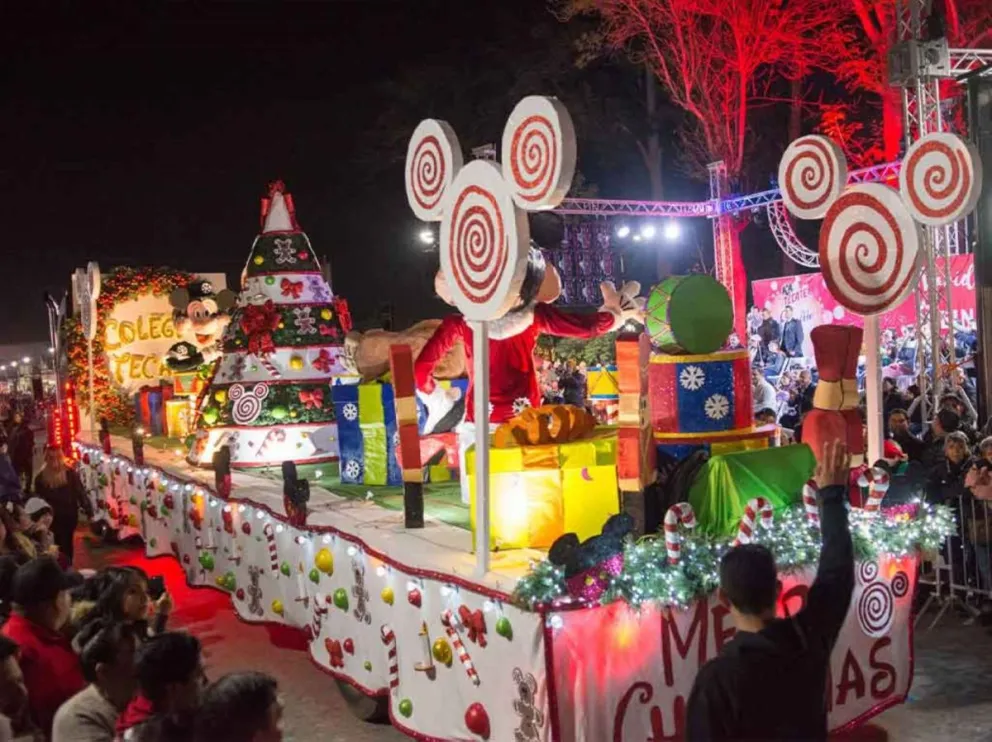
x=539, y=153
x=484, y=242
x=811, y=174
x=941, y=179
x=869, y=249
x=433, y=158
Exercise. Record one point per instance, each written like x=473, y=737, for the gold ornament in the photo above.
x=326, y=314
x=387, y=595
x=324, y=561
x=442, y=651
x=221, y=396
x=277, y=607
x=259, y=260
x=296, y=363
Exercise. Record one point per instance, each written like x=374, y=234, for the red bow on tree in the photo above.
x=328, y=331
x=344, y=316
x=313, y=399
x=258, y=322
x=474, y=623
x=323, y=362
x=292, y=289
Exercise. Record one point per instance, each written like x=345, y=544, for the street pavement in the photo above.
x=951, y=696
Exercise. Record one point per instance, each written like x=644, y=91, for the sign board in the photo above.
x=138, y=333
x=813, y=304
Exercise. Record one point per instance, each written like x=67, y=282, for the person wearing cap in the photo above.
x=37, y=525
x=52, y=673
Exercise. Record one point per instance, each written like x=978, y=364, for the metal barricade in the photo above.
x=961, y=574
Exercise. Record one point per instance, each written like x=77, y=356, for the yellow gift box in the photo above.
x=178, y=413
x=537, y=493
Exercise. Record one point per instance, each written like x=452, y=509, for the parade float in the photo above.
x=593, y=606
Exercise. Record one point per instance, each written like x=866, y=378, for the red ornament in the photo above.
x=152, y=512
x=477, y=720
x=196, y=519
x=228, y=519
x=185, y=558
x=323, y=361
x=169, y=502
x=349, y=646
x=414, y=597
x=303, y=255
x=246, y=528
x=334, y=652
x=240, y=593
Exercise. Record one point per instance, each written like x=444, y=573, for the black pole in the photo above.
x=980, y=129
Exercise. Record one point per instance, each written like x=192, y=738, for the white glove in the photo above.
x=624, y=304
x=438, y=403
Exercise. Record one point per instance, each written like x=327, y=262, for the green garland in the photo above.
x=288, y=252
x=282, y=405
x=647, y=575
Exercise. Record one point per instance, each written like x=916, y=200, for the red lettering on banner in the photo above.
x=697, y=632
x=851, y=678
x=657, y=720
x=885, y=671
x=721, y=635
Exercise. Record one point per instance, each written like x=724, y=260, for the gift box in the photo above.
x=700, y=394
x=188, y=384
x=178, y=414
x=367, y=434
x=537, y=493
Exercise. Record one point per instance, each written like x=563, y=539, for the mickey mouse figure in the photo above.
x=591, y=565
x=201, y=315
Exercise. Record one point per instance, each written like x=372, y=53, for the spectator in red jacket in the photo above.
x=51, y=669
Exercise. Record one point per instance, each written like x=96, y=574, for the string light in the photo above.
x=647, y=575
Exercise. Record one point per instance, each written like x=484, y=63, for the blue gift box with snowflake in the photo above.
x=367, y=435
x=700, y=395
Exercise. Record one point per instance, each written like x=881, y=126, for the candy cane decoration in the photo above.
x=811, y=505
x=877, y=480
x=448, y=620
x=270, y=536
x=320, y=610
x=389, y=639
x=751, y=510
x=270, y=367
x=678, y=513
x=276, y=435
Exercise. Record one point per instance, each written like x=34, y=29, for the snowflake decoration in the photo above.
x=692, y=378
x=519, y=405
x=304, y=322
x=717, y=407
x=318, y=289
x=352, y=469
x=284, y=251
x=350, y=411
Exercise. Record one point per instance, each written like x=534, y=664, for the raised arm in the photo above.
x=551, y=321
x=451, y=330
x=830, y=594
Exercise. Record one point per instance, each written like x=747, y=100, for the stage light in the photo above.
x=427, y=236
x=26, y=359
x=13, y=364
x=623, y=231
x=51, y=351
x=672, y=230
x=648, y=231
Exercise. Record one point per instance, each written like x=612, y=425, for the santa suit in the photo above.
x=512, y=373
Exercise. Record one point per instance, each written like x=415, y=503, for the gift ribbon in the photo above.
x=258, y=322
x=292, y=289
x=312, y=399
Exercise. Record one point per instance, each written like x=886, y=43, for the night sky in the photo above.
x=146, y=137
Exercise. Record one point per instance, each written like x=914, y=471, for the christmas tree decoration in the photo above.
x=341, y=599
x=277, y=607
x=387, y=595
x=285, y=342
x=314, y=576
x=406, y=708
x=441, y=651
x=503, y=627
x=324, y=561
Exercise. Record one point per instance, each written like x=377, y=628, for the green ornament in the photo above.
x=230, y=581
x=270, y=280
x=341, y=598
x=315, y=576
x=406, y=707
x=503, y=627
x=210, y=415
x=286, y=569
x=153, y=542
x=133, y=500
x=207, y=561
x=368, y=666
x=279, y=412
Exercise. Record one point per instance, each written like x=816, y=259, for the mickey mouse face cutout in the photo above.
x=485, y=236
x=869, y=241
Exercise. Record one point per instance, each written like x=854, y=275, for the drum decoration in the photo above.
x=869, y=249
x=704, y=397
x=689, y=315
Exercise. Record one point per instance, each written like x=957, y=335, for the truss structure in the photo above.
x=605, y=207
x=787, y=239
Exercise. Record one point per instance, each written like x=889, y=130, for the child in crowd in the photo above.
x=120, y=594
x=241, y=707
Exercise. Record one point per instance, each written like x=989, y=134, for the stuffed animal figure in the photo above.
x=512, y=340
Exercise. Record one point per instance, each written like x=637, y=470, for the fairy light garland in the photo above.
x=647, y=575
